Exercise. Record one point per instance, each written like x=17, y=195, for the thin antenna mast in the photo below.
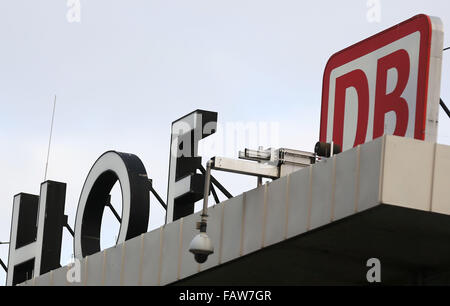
x=50, y=139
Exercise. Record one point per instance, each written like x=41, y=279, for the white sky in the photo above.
x=130, y=68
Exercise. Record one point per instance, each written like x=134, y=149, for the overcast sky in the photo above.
x=129, y=68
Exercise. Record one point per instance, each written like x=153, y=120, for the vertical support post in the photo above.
x=206, y=196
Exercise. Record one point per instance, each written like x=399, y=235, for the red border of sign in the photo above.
x=420, y=23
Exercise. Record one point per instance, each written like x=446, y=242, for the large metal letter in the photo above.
x=36, y=233
x=185, y=186
x=393, y=101
x=107, y=170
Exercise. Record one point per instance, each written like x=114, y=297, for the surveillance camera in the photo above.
x=201, y=258
x=201, y=247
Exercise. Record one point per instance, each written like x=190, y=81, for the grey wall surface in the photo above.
x=390, y=170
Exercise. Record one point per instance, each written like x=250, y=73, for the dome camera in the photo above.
x=201, y=247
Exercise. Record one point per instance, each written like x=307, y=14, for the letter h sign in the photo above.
x=386, y=84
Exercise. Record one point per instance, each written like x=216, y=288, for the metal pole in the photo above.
x=3, y=266
x=156, y=194
x=216, y=182
x=259, y=178
x=206, y=196
x=446, y=110
x=114, y=212
x=214, y=193
x=50, y=138
x=259, y=183
x=67, y=226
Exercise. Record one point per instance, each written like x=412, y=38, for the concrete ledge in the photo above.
x=412, y=247
x=390, y=170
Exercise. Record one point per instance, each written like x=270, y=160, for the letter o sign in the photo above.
x=109, y=168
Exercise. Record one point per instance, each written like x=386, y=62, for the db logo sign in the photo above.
x=386, y=84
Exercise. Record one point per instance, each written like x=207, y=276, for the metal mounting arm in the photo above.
x=164, y=205
x=67, y=226
x=1, y=261
x=445, y=108
x=204, y=215
x=3, y=265
x=245, y=167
